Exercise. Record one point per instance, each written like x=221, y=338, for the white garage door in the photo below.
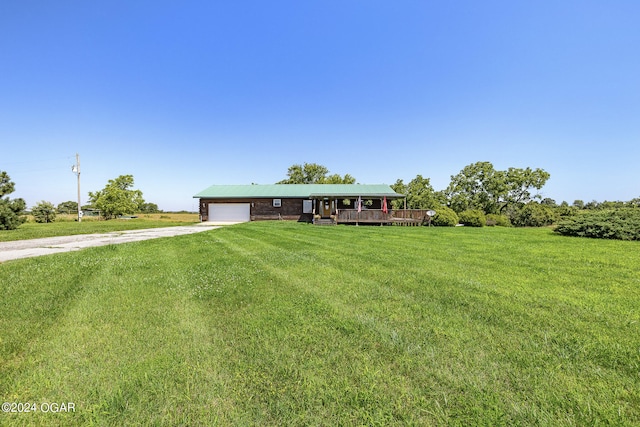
x=229, y=212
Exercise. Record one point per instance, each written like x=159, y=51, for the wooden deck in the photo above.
x=377, y=216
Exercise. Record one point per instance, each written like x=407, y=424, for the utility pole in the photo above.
x=76, y=169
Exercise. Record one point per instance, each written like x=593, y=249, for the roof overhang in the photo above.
x=298, y=191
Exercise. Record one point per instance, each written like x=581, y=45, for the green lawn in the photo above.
x=293, y=324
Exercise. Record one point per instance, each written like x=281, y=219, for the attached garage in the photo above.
x=229, y=212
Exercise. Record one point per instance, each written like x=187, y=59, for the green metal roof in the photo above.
x=296, y=191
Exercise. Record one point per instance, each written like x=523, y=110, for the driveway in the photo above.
x=53, y=245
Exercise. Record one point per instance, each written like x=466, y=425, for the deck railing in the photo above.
x=417, y=214
x=366, y=215
x=377, y=216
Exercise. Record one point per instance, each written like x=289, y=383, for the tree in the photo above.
x=611, y=205
x=520, y=182
x=313, y=173
x=11, y=211
x=68, y=207
x=578, y=204
x=594, y=204
x=476, y=186
x=44, y=212
x=421, y=195
x=337, y=179
x=564, y=210
x=117, y=198
x=149, y=208
x=481, y=186
x=400, y=188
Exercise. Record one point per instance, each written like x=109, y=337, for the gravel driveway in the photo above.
x=53, y=245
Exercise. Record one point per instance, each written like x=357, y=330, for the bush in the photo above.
x=620, y=224
x=11, y=210
x=566, y=211
x=44, y=212
x=534, y=215
x=498, y=220
x=473, y=218
x=445, y=217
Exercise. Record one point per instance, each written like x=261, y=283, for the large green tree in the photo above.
x=401, y=188
x=313, y=173
x=117, y=198
x=476, y=186
x=520, y=183
x=11, y=210
x=481, y=186
x=419, y=193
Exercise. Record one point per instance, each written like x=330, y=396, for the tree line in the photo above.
x=117, y=198
x=478, y=195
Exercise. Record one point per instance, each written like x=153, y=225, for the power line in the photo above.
x=47, y=165
x=22, y=172
x=22, y=162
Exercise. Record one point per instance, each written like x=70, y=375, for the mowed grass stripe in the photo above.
x=524, y=281
x=556, y=343
x=301, y=360
x=456, y=297
x=135, y=345
x=290, y=324
x=323, y=359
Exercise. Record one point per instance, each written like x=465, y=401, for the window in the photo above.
x=307, y=206
x=277, y=203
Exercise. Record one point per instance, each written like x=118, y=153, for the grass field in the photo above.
x=292, y=324
x=65, y=225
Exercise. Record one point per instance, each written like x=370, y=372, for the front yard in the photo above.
x=292, y=324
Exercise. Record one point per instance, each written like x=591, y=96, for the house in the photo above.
x=319, y=203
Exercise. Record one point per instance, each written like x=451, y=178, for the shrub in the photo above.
x=44, y=212
x=566, y=211
x=473, y=218
x=534, y=215
x=11, y=210
x=620, y=224
x=498, y=220
x=445, y=217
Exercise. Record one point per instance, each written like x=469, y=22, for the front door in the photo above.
x=326, y=208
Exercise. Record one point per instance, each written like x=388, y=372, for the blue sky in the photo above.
x=183, y=95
